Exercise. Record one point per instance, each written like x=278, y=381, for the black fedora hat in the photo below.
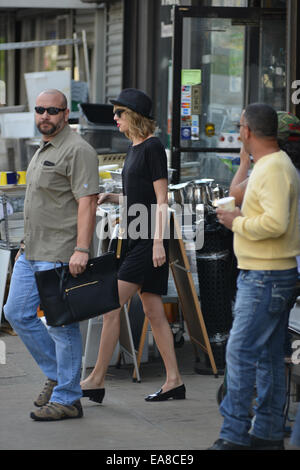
x=136, y=100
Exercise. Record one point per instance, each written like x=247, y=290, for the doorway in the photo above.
x=223, y=59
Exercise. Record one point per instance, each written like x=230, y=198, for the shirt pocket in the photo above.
x=51, y=177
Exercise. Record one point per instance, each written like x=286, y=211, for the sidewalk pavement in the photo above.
x=124, y=421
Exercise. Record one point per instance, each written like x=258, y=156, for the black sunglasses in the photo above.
x=52, y=110
x=119, y=112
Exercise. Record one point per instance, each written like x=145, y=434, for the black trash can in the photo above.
x=215, y=291
x=217, y=273
x=216, y=236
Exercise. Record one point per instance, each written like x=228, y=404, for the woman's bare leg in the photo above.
x=154, y=309
x=109, y=338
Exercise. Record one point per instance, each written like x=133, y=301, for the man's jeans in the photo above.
x=57, y=351
x=295, y=437
x=255, y=355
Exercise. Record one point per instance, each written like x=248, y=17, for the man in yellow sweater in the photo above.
x=266, y=242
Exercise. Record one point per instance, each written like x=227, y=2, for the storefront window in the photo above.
x=220, y=167
x=222, y=63
x=212, y=80
x=273, y=64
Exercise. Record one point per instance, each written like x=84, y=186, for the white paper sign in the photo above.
x=37, y=82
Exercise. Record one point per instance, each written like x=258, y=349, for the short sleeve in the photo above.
x=83, y=171
x=156, y=159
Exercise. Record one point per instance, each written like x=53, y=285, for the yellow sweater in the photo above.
x=267, y=236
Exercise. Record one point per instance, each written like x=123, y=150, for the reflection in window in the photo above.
x=273, y=69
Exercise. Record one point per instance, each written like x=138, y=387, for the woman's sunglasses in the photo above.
x=118, y=112
x=52, y=111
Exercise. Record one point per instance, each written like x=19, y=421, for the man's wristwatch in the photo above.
x=82, y=250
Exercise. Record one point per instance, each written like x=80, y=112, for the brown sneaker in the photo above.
x=56, y=412
x=46, y=393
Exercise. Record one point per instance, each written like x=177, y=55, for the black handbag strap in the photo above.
x=63, y=273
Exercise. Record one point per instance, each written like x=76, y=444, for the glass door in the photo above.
x=220, y=63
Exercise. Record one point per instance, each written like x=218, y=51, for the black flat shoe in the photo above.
x=94, y=394
x=177, y=393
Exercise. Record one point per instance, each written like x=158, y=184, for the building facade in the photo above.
x=233, y=52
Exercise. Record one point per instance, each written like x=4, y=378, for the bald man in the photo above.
x=59, y=221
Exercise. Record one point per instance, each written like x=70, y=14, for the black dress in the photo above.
x=144, y=164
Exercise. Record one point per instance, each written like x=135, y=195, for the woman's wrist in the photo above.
x=113, y=198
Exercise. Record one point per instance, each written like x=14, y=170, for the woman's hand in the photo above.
x=102, y=197
x=113, y=198
x=159, y=254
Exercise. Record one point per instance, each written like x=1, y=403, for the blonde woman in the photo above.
x=145, y=268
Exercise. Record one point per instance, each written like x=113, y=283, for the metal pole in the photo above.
x=86, y=59
x=76, y=52
x=3, y=199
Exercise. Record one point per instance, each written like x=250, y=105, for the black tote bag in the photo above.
x=66, y=299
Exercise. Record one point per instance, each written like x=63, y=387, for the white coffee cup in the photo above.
x=227, y=203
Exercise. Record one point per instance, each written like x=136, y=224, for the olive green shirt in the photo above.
x=60, y=172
